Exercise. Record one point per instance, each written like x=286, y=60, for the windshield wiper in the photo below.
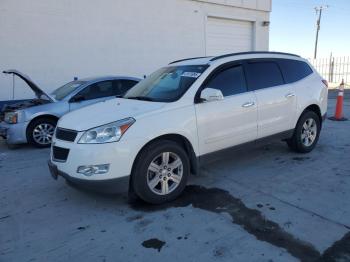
x=144, y=98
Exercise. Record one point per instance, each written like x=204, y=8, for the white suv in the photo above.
x=150, y=140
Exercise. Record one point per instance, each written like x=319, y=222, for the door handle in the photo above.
x=248, y=104
x=290, y=95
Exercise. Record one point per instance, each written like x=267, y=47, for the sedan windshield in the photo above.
x=66, y=90
x=167, y=84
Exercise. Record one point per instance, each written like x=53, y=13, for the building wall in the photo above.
x=54, y=41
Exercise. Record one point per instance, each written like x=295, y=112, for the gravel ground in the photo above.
x=262, y=204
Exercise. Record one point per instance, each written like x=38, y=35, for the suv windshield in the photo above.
x=67, y=89
x=167, y=84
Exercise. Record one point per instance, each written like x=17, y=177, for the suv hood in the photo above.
x=38, y=92
x=106, y=112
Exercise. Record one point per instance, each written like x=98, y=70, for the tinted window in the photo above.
x=66, y=90
x=231, y=81
x=263, y=74
x=294, y=70
x=120, y=87
x=98, y=90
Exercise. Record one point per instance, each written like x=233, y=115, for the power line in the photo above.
x=318, y=10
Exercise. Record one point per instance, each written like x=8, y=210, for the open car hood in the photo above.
x=38, y=92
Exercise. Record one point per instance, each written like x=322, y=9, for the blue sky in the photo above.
x=293, y=27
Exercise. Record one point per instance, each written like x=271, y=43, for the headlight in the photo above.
x=107, y=133
x=11, y=117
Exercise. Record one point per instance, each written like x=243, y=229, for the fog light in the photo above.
x=93, y=170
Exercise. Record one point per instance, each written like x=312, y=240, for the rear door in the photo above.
x=231, y=121
x=276, y=100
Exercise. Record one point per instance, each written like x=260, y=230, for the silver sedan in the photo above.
x=34, y=121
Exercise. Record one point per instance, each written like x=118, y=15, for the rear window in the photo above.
x=294, y=70
x=263, y=74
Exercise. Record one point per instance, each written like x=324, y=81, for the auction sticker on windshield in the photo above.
x=191, y=74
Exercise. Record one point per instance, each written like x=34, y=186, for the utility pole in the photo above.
x=319, y=10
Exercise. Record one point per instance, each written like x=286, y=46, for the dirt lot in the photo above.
x=263, y=204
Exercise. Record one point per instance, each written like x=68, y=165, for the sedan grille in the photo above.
x=66, y=135
x=60, y=154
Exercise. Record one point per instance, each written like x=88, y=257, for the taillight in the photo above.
x=325, y=82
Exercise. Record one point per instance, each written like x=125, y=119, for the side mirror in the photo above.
x=77, y=98
x=211, y=94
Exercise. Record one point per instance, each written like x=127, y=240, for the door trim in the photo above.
x=248, y=145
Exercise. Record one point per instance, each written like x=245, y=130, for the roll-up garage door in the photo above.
x=228, y=36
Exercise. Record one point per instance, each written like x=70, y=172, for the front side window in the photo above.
x=97, y=90
x=230, y=81
x=66, y=90
x=263, y=75
x=167, y=84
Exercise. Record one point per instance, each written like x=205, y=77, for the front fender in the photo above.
x=53, y=109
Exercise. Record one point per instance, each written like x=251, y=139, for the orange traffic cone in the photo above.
x=338, y=116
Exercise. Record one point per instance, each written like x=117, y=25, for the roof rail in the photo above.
x=251, y=53
x=181, y=60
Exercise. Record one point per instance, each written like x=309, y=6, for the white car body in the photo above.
x=207, y=127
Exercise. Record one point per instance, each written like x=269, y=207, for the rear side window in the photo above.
x=230, y=81
x=263, y=75
x=294, y=70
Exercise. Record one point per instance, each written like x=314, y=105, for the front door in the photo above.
x=231, y=121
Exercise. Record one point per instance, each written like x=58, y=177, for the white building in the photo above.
x=54, y=41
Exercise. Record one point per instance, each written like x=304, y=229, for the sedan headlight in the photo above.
x=107, y=133
x=11, y=117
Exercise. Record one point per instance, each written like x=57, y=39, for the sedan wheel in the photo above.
x=43, y=133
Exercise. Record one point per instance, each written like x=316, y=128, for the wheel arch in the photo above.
x=50, y=116
x=182, y=141
x=53, y=117
x=314, y=108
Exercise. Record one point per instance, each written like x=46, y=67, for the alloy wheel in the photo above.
x=43, y=133
x=309, y=132
x=164, y=173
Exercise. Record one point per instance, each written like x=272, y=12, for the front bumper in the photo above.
x=117, y=185
x=14, y=133
x=120, y=156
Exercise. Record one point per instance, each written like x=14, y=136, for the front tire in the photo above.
x=40, y=132
x=306, y=133
x=160, y=172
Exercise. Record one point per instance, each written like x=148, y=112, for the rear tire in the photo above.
x=160, y=172
x=306, y=133
x=40, y=132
